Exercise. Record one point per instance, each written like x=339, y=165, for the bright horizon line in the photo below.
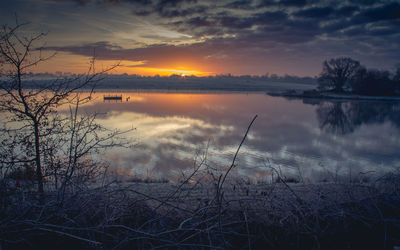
x=174, y=73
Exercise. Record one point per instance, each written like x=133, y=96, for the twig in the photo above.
x=237, y=151
x=70, y=235
x=247, y=229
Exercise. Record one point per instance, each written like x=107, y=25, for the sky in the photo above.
x=208, y=37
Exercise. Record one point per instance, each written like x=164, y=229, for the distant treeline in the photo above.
x=178, y=82
x=376, y=82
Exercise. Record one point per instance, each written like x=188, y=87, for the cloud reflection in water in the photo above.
x=307, y=139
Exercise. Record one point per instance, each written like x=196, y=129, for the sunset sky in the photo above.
x=208, y=37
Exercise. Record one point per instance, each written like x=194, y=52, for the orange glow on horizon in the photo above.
x=75, y=64
x=167, y=72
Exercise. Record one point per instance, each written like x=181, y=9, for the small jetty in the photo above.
x=112, y=97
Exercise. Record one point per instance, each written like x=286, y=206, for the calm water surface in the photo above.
x=309, y=139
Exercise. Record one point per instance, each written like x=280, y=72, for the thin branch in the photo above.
x=237, y=152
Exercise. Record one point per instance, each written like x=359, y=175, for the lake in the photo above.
x=303, y=139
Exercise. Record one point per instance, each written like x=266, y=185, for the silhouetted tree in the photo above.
x=33, y=129
x=337, y=73
x=373, y=82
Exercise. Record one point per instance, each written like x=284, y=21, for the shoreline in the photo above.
x=332, y=96
x=288, y=93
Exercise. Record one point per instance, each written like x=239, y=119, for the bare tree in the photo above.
x=337, y=72
x=34, y=122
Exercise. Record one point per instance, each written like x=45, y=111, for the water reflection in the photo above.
x=340, y=117
x=305, y=140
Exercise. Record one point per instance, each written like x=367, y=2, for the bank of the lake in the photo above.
x=331, y=95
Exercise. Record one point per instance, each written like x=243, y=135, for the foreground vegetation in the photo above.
x=206, y=215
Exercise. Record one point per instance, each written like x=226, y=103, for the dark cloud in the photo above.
x=164, y=8
x=174, y=3
x=240, y=4
x=153, y=56
x=354, y=31
x=142, y=2
x=283, y=3
x=79, y=2
x=159, y=6
x=266, y=3
x=366, y=2
x=177, y=12
x=387, y=12
x=316, y=12
x=297, y=3
x=382, y=32
x=224, y=23
x=98, y=49
x=269, y=17
x=235, y=22
x=198, y=22
x=346, y=11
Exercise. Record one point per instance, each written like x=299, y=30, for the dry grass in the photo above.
x=183, y=215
